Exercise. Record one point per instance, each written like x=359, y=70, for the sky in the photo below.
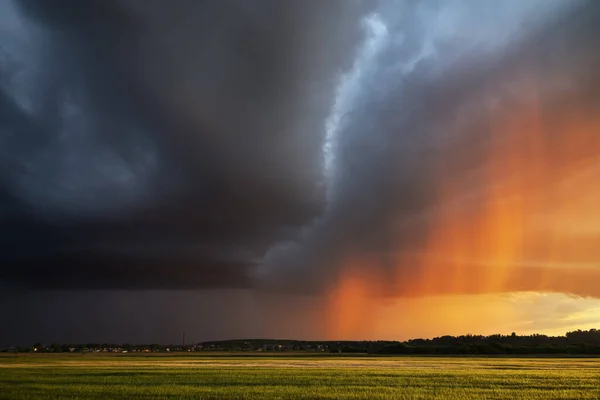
x=343, y=169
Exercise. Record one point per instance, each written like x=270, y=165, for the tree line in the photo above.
x=575, y=343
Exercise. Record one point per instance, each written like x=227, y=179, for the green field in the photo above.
x=93, y=376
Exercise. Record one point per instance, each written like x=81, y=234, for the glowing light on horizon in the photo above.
x=532, y=225
x=528, y=227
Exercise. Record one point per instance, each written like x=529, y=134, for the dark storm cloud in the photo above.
x=146, y=144
x=241, y=144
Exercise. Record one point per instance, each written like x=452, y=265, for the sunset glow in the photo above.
x=530, y=225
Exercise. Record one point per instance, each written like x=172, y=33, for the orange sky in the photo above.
x=525, y=219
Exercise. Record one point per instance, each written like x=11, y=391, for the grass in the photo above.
x=77, y=376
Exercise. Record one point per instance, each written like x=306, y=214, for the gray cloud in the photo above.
x=434, y=83
x=128, y=124
x=261, y=144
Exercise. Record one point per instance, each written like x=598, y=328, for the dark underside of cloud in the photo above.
x=145, y=145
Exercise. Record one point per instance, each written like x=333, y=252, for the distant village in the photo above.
x=225, y=346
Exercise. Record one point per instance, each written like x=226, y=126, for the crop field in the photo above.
x=92, y=376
